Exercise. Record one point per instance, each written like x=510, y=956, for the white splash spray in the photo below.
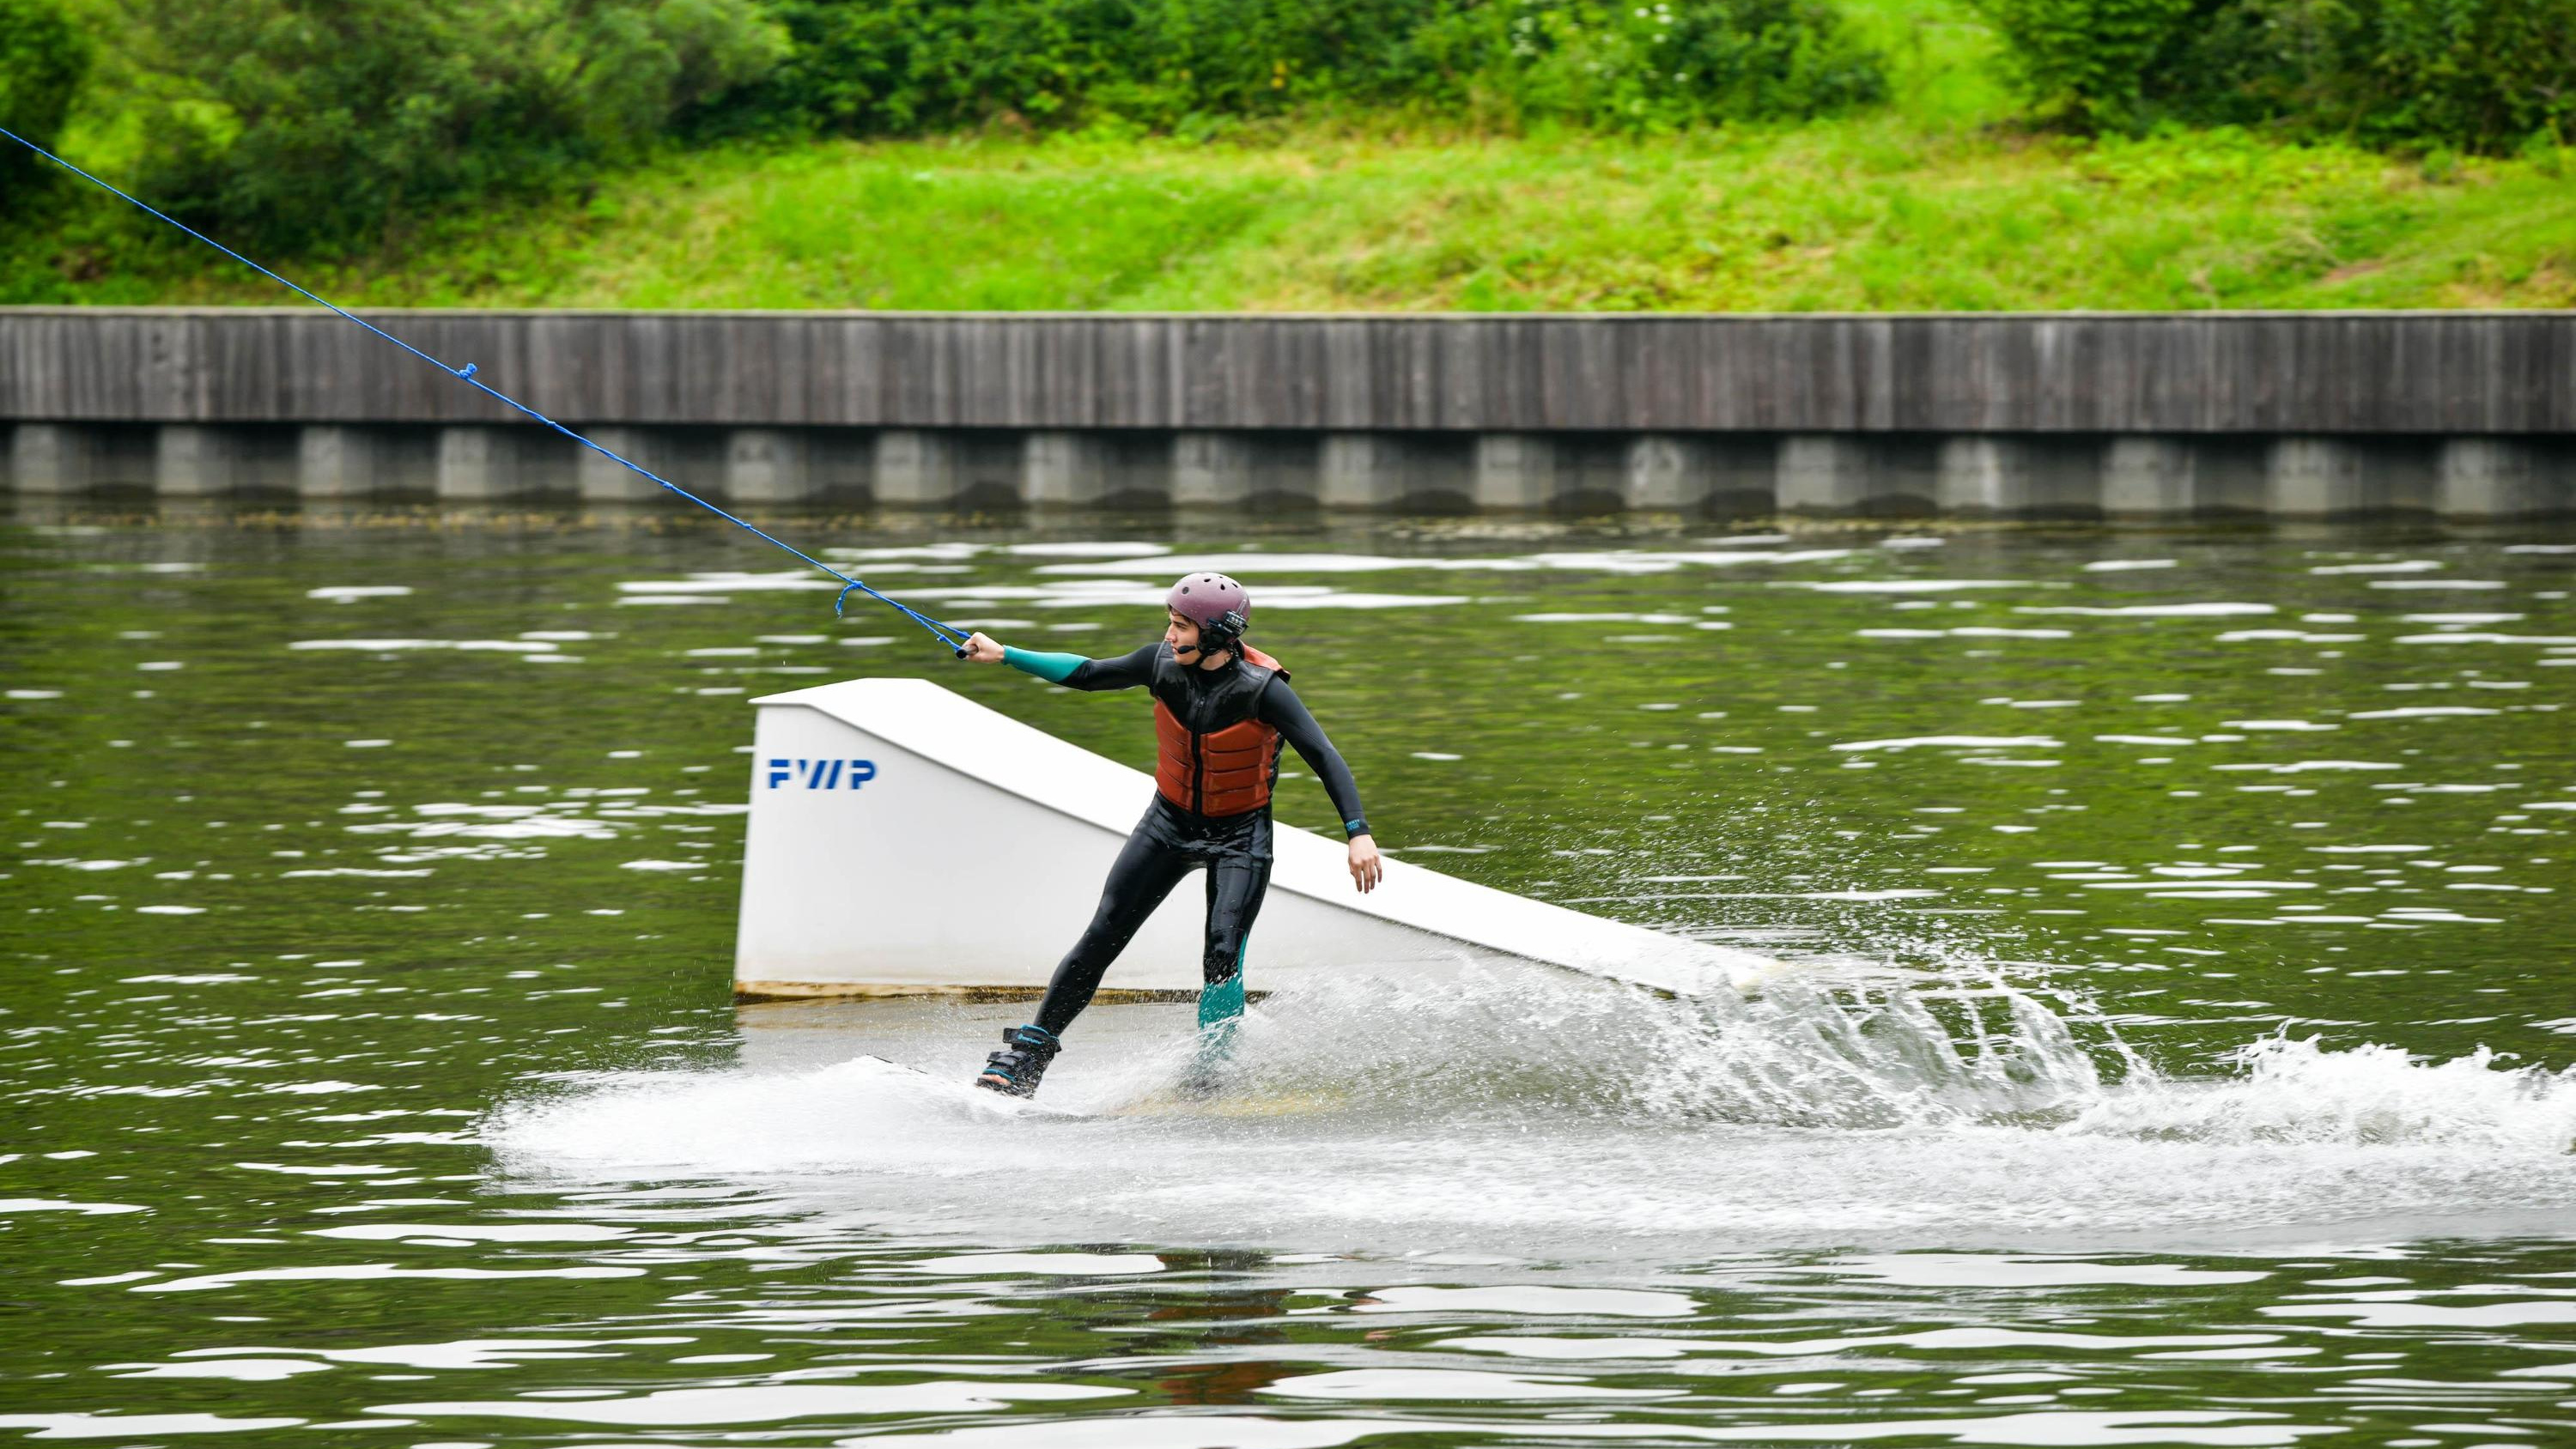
x=1516, y=1109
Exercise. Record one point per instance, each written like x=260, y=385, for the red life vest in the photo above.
x=1224, y=771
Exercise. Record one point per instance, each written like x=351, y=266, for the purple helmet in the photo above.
x=1217, y=604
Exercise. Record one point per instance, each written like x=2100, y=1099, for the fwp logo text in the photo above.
x=821, y=774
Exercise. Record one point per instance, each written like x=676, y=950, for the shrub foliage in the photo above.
x=42, y=58
x=2089, y=63
x=2485, y=75
x=872, y=67
x=304, y=122
x=2476, y=74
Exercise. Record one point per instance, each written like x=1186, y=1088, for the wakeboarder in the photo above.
x=1221, y=709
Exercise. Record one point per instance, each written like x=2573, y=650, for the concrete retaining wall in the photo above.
x=2469, y=415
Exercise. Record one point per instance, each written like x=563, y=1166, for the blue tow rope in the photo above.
x=954, y=639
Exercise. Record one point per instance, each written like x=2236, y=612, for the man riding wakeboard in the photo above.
x=1221, y=708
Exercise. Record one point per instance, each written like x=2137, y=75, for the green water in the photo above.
x=2180, y=1052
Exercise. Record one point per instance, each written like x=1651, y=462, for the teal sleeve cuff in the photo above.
x=1053, y=668
x=1355, y=827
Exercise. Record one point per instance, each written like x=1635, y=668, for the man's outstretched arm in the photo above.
x=1127, y=671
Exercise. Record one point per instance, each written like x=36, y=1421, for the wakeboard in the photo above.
x=1199, y=1098
x=981, y=1099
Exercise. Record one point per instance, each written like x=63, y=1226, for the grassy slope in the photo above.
x=1927, y=204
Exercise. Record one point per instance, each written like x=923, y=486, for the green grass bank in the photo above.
x=1937, y=200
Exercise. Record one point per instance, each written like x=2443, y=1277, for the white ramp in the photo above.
x=907, y=838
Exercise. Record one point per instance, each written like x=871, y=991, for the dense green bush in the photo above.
x=1662, y=64
x=42, y=58
x=301, y=122
x=865, y=67
x=2089, y=63
x=900, y=66
x=2484, y=75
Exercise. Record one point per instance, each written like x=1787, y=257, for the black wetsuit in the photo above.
x=1172, y=840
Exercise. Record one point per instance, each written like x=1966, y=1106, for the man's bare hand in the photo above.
x=980, y=649
x=1367, y=867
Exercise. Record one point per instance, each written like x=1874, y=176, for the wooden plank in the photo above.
x=2319, y=373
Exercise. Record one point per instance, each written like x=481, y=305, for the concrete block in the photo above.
x=2314, y=478
x=766, y=465
x=1214, y=469
x=334, y=461
x=53, y=458
x=1669, y=473
x=696, y=459
x=1067, y=470
x=1981, y=475
x=1515, y=472
x=2150, y=478
x=192, y=461
x=1256, y=470
x=477, y=464
x=2482, y=478
x=1728, y=475
x=1827, y=473
x=2014, y=477
x=916, y=469
x=1393, y=470
x=1361, y=470
x=600, y=479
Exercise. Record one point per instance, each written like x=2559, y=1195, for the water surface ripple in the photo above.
x=2180, y=1049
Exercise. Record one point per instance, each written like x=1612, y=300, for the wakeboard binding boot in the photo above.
x=1017, y=1068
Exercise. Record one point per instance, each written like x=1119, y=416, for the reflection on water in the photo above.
x=2178, y=1052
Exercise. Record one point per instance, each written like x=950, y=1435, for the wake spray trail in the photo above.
x=1511, y=1109
x=1853, y=1048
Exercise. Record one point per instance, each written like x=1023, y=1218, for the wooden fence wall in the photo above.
x=2245, y=373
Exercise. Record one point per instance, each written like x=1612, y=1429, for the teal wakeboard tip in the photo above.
x=1221, y=1005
